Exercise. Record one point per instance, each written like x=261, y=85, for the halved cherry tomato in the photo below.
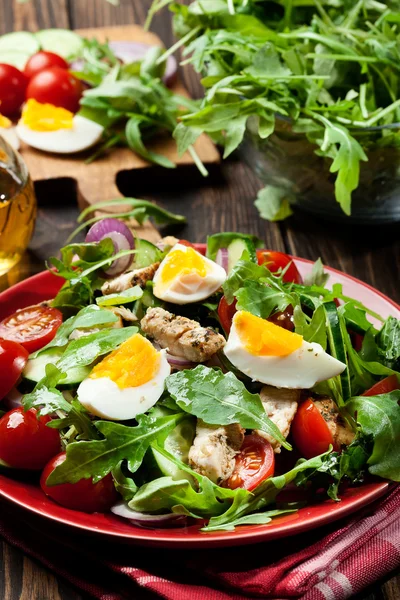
x=254, y=463
x=12, y=89
x=84, y=494
x=226, y=312
x=186, y=243
x=387, y=385
x=25, y=441
x=32, y=327
x=278, y=260
x=43, y=60
x=13, y=359
x=310, y=431
x=56, y=86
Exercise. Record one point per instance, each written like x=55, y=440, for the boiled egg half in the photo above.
x=7, y=131
x=55, y=129
x=185, y=276
x=270, y=354
x=128, y=382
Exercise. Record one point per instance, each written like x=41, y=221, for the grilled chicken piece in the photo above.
x=342, y=433
x=79, y=333
x=280, y=405
x=130, y=279
x=214, y=449
x=169, y=240
x=183, y=337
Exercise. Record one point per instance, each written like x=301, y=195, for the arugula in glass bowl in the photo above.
x=330, y=68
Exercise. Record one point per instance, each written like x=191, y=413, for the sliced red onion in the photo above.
x=13, y=399
x=222, y=258
x=129, y=52
x=122, y=238
x=178, y=362
x=150, y=521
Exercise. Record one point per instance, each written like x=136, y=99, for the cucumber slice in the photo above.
x=35, y=368
x=15, y=58
x=19, y=41
x=178, y=444
x=147, y=254
x=63, y=42
x=236, y=249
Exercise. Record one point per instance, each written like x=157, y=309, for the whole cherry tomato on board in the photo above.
x=32, y=327
x=25, y=441
x=12, y=89
x=310, y=431
x=387, y=385
x=84, y=494
x=275, y=261
x=56, y=86
x=43, y=60
x=254, y=463
x=13, y=358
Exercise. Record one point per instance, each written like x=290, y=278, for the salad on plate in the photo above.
x=175, y=383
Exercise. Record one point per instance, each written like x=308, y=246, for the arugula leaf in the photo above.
x=95, y=459
x=388, y=343
x=260, y=299
x=125, y=297
x=315, y=330
x=256, y=519
x=317, y=275
x=265, y=493
x=274, y=203
x=379, y=417
x=85, y=350
x=88, y=317
x=123, y=484
x=220, y=399
x=243, y=271
x=355, y=318
x=222, y=240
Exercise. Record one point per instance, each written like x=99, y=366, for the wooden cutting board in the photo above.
x=97, y=181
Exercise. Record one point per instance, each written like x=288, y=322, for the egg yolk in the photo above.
x=262, y=338
x=46, y=117
x=134, y=363
x=4, y=122
x=183, y=262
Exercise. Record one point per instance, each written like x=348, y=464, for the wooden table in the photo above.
x=224, y=203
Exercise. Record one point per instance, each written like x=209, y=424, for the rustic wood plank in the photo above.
x=31, y=16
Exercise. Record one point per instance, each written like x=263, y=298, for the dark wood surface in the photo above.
x=224, y=202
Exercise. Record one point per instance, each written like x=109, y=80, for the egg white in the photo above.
x=190, y=287
x=84, y=134
x=103, y=398
x=301, y=369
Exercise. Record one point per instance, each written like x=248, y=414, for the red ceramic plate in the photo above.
x=29, y=495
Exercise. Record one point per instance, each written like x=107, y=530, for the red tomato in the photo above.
x=226, y=312
x=43, y=60
x=389, y=384
x=56, y=86
x=32, y=327
x=186, y=243
x=25, y=441
x=310, y=431
x=13, y=359
x=254, y=463
x=278, y=260
x=82, y=495
x=283, y=318
x=12, y=89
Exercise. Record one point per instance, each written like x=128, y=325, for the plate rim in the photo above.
x=257, y=534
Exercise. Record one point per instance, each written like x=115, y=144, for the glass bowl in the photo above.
x=287, y=160
x=17, y=207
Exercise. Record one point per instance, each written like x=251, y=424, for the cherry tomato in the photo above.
x=56, y=86
x=82, y=495
x=186, y=243
x=32, y=327
x=387, y=385
x=226, y=312
x=254, y=463
x=283, y=318
x=25, y=441
x=310, y=431
x=12, y=89
x=278, y=260
x=13, y=359
x=43, y=60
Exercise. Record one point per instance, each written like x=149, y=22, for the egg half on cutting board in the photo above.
x=186, y=276
x=270, y=354
x=55, y=129
x=128, y=382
